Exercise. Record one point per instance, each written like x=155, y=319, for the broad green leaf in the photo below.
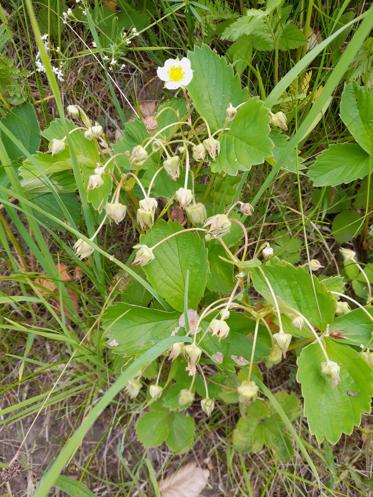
x=74, y=488
x=48, y=202
x=220, y=278
x=293, y=288
x=333, y=283
x=240, y=54
x=340, y=163
x=214, y=86
x=359, y=283
x=254, y=26
x=284, y=157
x=286, y=247
x=182, y=254
x=291, y=37
x=57, y=129
x=22, y=122
x=247, y=142
x=333, y=411
x=170, y=111
x=153, y=428
x=347, y=225
x=134, y=133
x=181, y=432
x=137, y=328
x=355, y=327
x=356, y=112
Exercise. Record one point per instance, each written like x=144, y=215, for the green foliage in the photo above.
x=13, y=90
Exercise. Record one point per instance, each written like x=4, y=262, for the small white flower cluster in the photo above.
x=57, y=70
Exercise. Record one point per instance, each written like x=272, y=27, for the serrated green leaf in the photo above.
x=340, y=163
x=173, y=259
x=136, y=328
x=291, y=37
x=153, y=428
x=247, y=143
x=181, y=432
x=347, y=225
x=330, y=412
x=220, y=277
x=356, y=112
x=214, y=86
x=293, y=288
x=285, y=157
x=356, y=327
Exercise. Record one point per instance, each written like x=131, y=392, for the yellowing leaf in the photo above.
x=188, y=481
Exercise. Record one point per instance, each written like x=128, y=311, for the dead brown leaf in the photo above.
x=188, y=481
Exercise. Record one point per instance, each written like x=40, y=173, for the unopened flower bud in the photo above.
x=83, y=249
x=193, y=319
x=116, y=211
x=275, y=356
x=246, y=209
x=146, y=212
x=217, y=226
x=155, y=391
x=95, y=181
x=231, y=112
x=342, y=308
x=133, y=387
x=239, y=360
x=144, y=255
x=267, y=251
x=279, y=120
x=212, y=146
x=247, y=391
x=224, y=314
x=207, y=406
x=186, y=397
x=113, y=343
x=56, y=146
x=184, y=196
x=93, y=132
x=332, y=370
x=193, y=352
x=138, y=155
x=315, y=265
x=73, y=110
x=199, y=152
x=219, y=328
x=172, y=167
x=282, y=340
x=196, y=213
x=348, y=255
x=218, y=357
x=298, y=322
x=367, y=355
x=176, y=350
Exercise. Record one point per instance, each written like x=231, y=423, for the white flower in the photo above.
x=207, y=406
x=175, y=73
x=144, y=255
x=184, y=196
x=116, y=211
x=332, y=370
x=83, y=249
x=56, y=146
x=212, y=146
x=73, y=110
x=199, y=152
x=267, y=251
x=155, y=391
x=342, y=308
x=172, y=167
x=196, y=213
x=282, y=340
x=247, y=390
x=218, y=226
x=219, y=328
x=279, y=120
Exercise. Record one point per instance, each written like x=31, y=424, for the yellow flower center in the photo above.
x=176, y=73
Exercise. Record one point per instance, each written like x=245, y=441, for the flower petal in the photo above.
x=173, y=85
x=162, y=73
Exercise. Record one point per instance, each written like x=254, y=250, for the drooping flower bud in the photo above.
x=172, y=167
x=298, y=322
x=184, y=196
x=73, y=110
x=56, y=146
x=193, y=319
x=218, y=357
x=279, y=120
x=93, y=132
x=367, y=355
x=224, y=314
x=116, y=211
x=186, y=397
x=315, y=265
x=146, y=212
x=218, y=226
x=113, y=343
x=246, y=209
x=193, y=353
x=239, y=360
x=231, y=112
x=267, y=251
x=138, y=155
x=219, y=328
x=176, y=350
x=155, y=391
x=83, y=249
x=282, y=340
x=348, y=255
x=144, y=255
x=196, y=213
x=332, y=370
x=207, y=406
x=199, y=152
x=247, y=391
x=212, y=146
x=275, y=356
x=342, y=308
x=94, y=181
x=133, y=387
